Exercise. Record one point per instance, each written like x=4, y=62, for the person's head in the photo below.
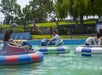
x=7, y=35
x=10, y=31
x=54, y=32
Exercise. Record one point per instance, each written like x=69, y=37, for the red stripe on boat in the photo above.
x=11, y=59
x=34, y=56
x=13, y=49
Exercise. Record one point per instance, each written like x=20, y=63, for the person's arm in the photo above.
x=11, y=41
x=52, y=39
x=100, y=41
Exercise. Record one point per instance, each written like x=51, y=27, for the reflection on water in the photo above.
x=63, y=64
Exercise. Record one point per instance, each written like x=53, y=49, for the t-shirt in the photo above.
x=57, y=38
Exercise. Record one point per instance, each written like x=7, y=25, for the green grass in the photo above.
x=41, y=36
x=53, y=24
x=62, y=36
x=89, y=21
x=20, y=28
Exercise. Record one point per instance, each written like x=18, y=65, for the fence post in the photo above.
x=50, y=31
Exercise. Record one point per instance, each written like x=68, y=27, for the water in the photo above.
x=63, y=64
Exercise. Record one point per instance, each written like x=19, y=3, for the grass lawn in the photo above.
x=53, y=24
x=62, y=36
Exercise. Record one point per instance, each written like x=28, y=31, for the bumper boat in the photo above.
x=53, y=49
x=11, y=55
x=91, y=50
x=58, y=48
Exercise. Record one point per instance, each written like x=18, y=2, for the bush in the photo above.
x=83, y=31
x=63, y=31
x=79, y=30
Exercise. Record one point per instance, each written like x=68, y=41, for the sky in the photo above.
x=23, y=3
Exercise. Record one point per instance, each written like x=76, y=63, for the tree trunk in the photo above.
x=75, y=19
x=81, y=20
x=57, y=24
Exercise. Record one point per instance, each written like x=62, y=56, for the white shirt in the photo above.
x=56, y=38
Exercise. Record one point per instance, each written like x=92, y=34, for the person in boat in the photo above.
x=95, y=40
x=55, y=40
x=90, y=41
x=8, y=38
x=99, y=37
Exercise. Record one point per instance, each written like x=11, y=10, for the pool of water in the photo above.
x=63, y=64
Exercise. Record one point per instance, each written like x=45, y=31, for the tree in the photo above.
x=10, y=9
x=75, y=8
x=60, y=10
x=78, y=9
x=37, y=10
x=97, y=7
